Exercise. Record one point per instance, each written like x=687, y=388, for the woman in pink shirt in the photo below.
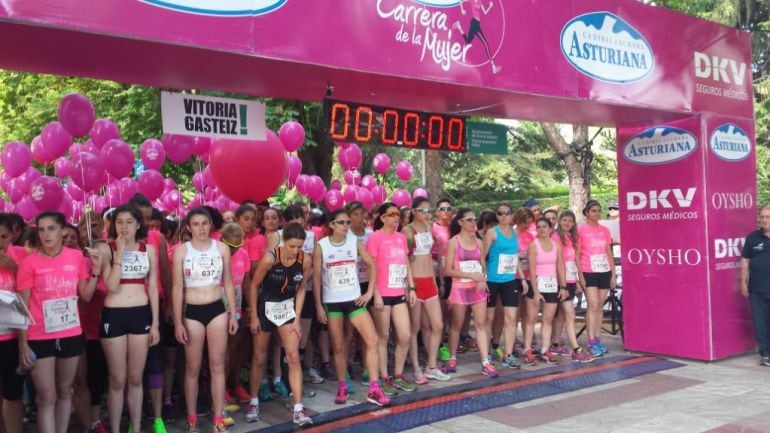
x=596, y=271
x=393, y=296
x=50, y=281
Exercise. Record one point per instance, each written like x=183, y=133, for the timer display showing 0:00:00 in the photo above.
x=363, y=127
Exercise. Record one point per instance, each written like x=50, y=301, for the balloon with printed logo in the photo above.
x=365, y=197
x=118, y=158
x=401, y=197
x=46, y=193
x=265, y=162
x=292, y=135
x=201, y=146
x=16, y=158
x=334, y=200
x=381, y=163
x=103, y=131
x=335, y=184
x=88, y=171
x=379, y=194
x=350, y=193
x=368, y=182
x=404, y=170
x=151, y=184
x=293, y=170
x=420, y=192
x=76, y=114
x=178, y=147
x=62, y=167
x=153, y=154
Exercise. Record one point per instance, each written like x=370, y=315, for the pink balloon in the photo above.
x=197, y=181
x=14, y=191
x=302, y=183
x=201, y=146
x=197, y=200
x=56, y=141
x=379, y=194
x=89, y=146
x=151, y=184
x=76, y=210
x=335, y=184
x=25, y=180
x=169, y=183
x=420, y=192
x=99, y=204
x=62, y=167
x=292, y=135
x=343, y=144
x=171, y=199
x=75, y=149
x=128, y=187
x=118, y=158
x=365, y=197
x=26, y=208
x=368, y=181
x=178, y=147
x=334, y=200
x=319, y=190
x=113, y=195
x=350, y=193
x=103, y=131
x=46, y=193
x=76, y=114
x=264, y=162
x=352, y=177
x=16, y=158
x=404, y=170
x=350, y=158
x=401, y=197
x=381, y=163
x=208, y=178
x=153, y=154
x=74, y=191
x=88, y=171
x=294, y=168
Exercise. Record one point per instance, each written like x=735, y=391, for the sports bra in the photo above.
x=134, y=265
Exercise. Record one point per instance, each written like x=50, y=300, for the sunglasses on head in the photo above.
x=445, y=208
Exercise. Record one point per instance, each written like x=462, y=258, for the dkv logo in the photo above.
x=660, y=199
x=229, y=8
x=605, y=47
x=724, y=248
x=730, y=143
x=660, y=145
x=719, y=69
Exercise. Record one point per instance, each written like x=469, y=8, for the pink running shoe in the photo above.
x=342, y=395
x=377, y=397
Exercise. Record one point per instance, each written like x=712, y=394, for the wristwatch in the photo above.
x=236, y=315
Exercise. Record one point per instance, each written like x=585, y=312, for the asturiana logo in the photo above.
x=603, y=46
x=730, y=142
x=660, y=145
x=229, y=8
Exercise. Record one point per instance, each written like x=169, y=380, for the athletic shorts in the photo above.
x=308, y=308
x=58, y=347
x=339, y=310
x=117, y=322
x=266, y=325
x=598, y=279
x=96, y=374
x=204, y=313
x=391, y=301
x=425, y=287
x=12, y=383
x=571, y=288
x=508, y=292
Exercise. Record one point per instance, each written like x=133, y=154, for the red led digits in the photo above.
x=435, y=132
x=345, y=109
x=367, y=111
x=455, y=139
x=389, y=124
x=411, y=125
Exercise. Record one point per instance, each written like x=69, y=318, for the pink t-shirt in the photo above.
x=525, y=238
x=568, y=253
x=593, y=241
x=441, y=233
x=239, y=266
x=255, y=247
x=389, y=252
x=53, y=286
x=8, y=280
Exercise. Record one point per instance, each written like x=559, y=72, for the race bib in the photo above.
x=397, y=276
x=280, y=312
x=572, y=272
x=507, y=264
x=343, y=277
x=547, y=284
x=61, y=314
x=470, y=267
x=423, y=243
x=599, y=263
x=363, y=271
x=135, y=265
x=524, y=264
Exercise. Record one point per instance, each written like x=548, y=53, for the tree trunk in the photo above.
x=577, y=157
x=433, y=176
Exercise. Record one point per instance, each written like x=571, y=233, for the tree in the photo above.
x=577, y=158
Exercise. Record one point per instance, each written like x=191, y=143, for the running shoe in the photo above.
x=400, y=383
x=603, y=348
x=529, y=357
x=301, y=417
x=470, y=344
x=765, y=360
x=561, y=350
x=253, y=414
x=419, y=377
x=265, y=393
x=595, y=350
x=549, y=357
x=377, y=396
x=499, y=353
x=512, y=362
x=488, y=370
x=451, y=365
x=192, y=427
x=229, y=399
x=443, y=353
x=387, y=387
x=349, y=383
x=365, y=377
x=280, y=389
x=342, y=395
x=168, y=413
x=232, y=408
x=437, y=374
x=327, y=372
x=227, y=419
x=158, y=426
x=240, y=394
x=580, y=356
x=312, y=376
x=220, y=428
x=490, y=359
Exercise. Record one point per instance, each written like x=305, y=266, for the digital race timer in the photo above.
x=371, y=124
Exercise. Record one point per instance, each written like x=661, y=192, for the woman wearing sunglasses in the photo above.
x=394, y=295
x=467, y=267
x=338, y=295
x=420, y=241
